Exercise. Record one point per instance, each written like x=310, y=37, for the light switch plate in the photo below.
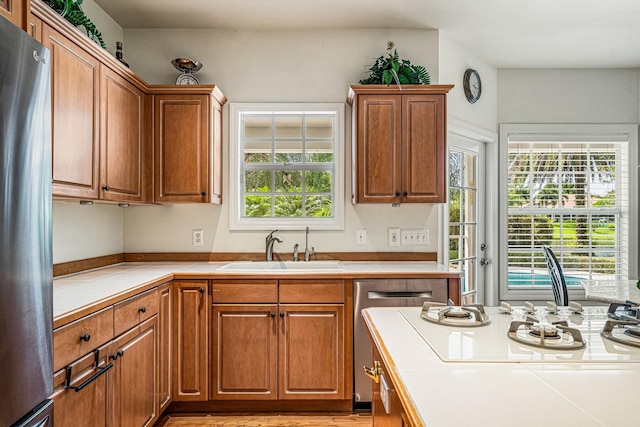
x=394, y=236
x=361, y=237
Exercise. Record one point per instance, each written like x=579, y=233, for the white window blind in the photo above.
x=569, y=193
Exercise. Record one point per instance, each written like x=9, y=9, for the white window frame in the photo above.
x=239, y=222
x=567, y=132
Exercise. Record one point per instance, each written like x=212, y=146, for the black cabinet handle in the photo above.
x=86, y=337
x=203, y=194
x=142, y=309
x=106, y=188
x=281, y=314
x=89, y=380
x=405, y=194
x=117, y=354
x=201, y=290
x=273, y=315
x=397, y=194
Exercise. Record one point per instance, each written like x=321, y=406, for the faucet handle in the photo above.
x=295, y=252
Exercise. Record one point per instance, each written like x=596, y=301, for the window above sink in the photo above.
x=287, y=166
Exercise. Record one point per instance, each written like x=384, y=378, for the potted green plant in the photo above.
x=389, y=68
x=71, y=10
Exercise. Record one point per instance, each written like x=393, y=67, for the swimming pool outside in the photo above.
x=535, y=279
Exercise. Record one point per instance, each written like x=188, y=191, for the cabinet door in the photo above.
x=423, y=148
x=311, y=352
x=132, y=380
x=190, y=380
x=378, y=149
x=182, y=138
x=13, y=10
x=245, y=352
x=84, y=402
x=121, y=139
x=35, y=27
x=165, y=329
x=75, y=85
x=396, y=416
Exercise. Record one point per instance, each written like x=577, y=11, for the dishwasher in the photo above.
x=385, y=293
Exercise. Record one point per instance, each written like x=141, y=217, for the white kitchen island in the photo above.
x=435, y=393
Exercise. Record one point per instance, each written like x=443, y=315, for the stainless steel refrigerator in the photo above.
x=26, y=343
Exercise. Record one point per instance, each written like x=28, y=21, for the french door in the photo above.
x=466, y=207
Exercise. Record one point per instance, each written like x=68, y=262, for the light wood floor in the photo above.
x=263, y=420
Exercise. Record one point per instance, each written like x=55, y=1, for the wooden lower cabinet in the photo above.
x=311, y=352
x=114, y=385
x=288, y=351
x=165, y=341
x=191, y=341
x=245, y=344
x=132, y=381
x=83, y=400
x=396, y=415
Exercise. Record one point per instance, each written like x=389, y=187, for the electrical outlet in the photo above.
x=198, y=237
x=394, y=236
x=414, y=237
x=361, y=237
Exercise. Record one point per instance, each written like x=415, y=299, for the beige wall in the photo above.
x=568, y=96
x=454, y=59
x=110, y=30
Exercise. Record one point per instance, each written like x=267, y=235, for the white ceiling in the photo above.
x=505, y=33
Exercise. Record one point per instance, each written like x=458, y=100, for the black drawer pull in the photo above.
x=201, y=290
x=273, y=314
x=88, y=381
x=281, y=314
x=142, y=309
x=106, y=188
x=86, y=337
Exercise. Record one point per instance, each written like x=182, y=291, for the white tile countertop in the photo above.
x=611, y=290
x=75, y=293
x=537, y=394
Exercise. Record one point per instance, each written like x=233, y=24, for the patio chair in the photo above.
x=558, y=283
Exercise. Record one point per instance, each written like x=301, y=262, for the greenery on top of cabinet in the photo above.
x=71, y=10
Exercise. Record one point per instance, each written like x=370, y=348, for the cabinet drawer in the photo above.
x=85, y=401
x=245, y=291
x=80, y=337
x=311, y=291
x=134, y=310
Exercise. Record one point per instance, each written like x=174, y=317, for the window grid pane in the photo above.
x=291, y=153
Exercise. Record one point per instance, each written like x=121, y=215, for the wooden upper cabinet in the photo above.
x=15, y=11
x=122, y=140
x=188, y=144
x=34, y=27
x=75, y=89
x=399, y=145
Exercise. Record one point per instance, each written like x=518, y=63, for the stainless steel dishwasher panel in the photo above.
x=385, y=293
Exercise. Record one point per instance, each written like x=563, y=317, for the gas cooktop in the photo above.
x=513, y=335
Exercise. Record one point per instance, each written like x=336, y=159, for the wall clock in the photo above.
x=472, y=85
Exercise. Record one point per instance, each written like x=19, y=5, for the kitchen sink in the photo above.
x=283, y=266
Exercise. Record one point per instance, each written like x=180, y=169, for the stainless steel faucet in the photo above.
x=307, y=252
x=270, y=240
